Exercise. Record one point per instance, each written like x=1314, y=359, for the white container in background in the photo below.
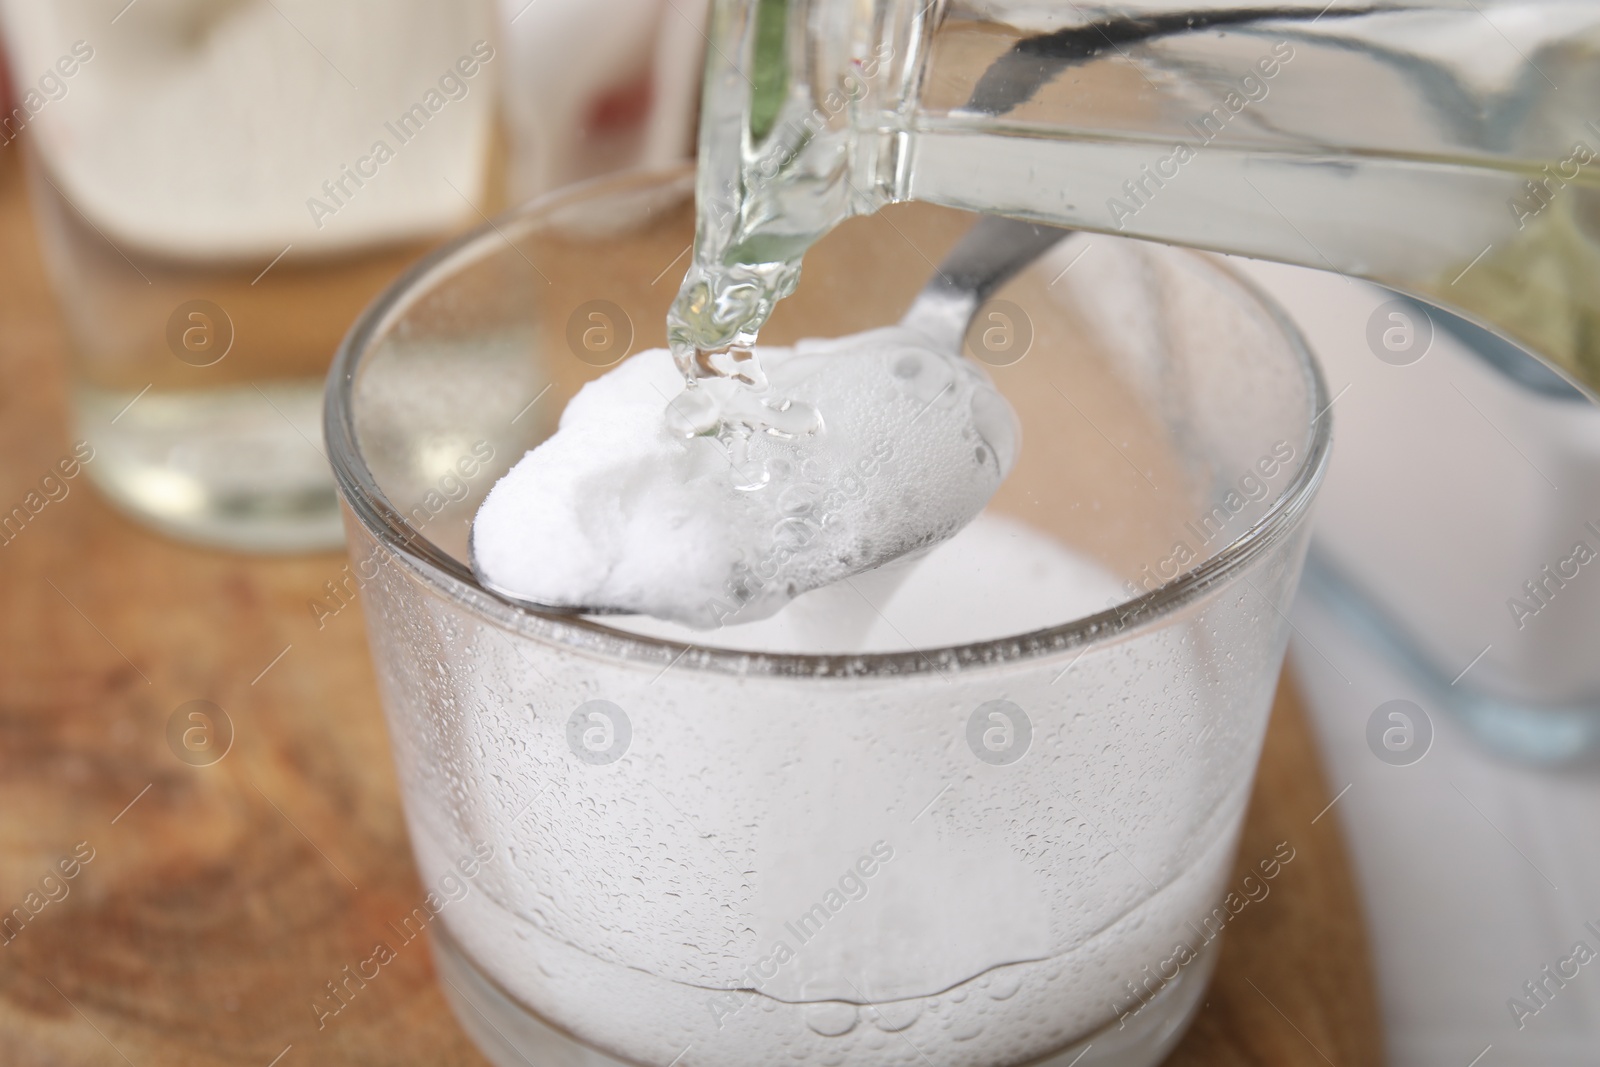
x=593, y=86
x=1462, y=508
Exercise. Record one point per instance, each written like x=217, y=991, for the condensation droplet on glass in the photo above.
x=831, y=1018
x=966, y=1029
x=1004, y=986
x=895, y=1016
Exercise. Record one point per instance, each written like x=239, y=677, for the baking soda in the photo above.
x=719, y=504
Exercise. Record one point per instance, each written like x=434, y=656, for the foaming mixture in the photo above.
x=720, y=500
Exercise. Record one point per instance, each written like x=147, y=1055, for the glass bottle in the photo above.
x=1449, y=149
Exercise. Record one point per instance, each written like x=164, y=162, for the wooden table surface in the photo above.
x=217, y=901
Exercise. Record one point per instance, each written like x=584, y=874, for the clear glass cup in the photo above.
x=652, y=847
x=218, y=190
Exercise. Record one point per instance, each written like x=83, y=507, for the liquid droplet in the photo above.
x=895, y=1015
x=693, y=412
x=966, y=1030
x=1004, y=986
x=831, y=1018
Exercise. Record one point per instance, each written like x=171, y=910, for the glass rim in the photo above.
x=451, y=577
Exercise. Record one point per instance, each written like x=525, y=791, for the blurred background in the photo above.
x=200, y=170
x=196, y=199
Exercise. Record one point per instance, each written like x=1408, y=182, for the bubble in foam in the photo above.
x=720, y=503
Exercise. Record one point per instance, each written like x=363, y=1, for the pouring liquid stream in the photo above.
x=1448, y=149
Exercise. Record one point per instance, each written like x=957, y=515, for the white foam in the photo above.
x=897, y=608
x=620, y=509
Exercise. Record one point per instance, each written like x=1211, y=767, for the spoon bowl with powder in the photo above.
x=637, y=505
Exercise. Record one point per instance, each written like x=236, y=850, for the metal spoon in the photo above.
x=988, y=256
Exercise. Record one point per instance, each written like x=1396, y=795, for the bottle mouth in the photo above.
x=452, y=578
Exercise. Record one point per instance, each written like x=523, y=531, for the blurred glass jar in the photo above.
x=219, y=187
x=594, y=86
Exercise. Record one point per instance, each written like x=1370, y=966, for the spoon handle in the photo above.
x=994, y=250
